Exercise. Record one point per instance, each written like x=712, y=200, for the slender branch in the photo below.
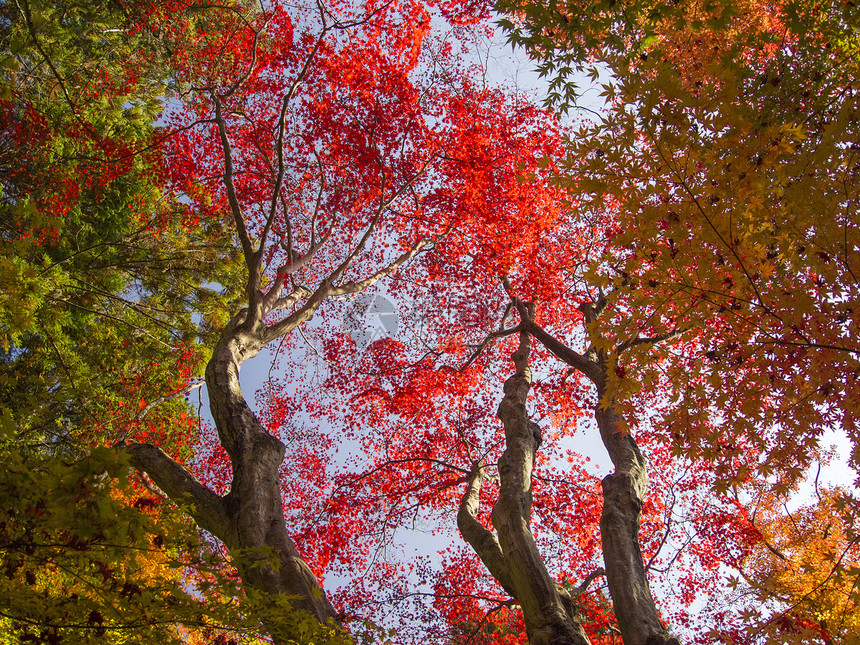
x=383, y=206
x=353, y=256
x=355, y=287
x=651, y=340
x=279, y=145
x=253, y=64
x=682, y=181
x=591, y=577
x=666, y=532
x=303, y=314
x=501, y=333
x=235, y=207
x=310, y=344
x=295, y=264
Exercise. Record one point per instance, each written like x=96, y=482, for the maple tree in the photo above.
x=350, y=176
x=732, y=125
x=451, y=438
x=804, y=558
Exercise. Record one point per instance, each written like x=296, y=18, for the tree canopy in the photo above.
x=187, y=186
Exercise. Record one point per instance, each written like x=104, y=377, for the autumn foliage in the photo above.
x=463, y=302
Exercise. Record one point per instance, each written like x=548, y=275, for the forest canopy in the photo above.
x=451, y=298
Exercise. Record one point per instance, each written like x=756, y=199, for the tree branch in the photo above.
x=295, y=264
x=480, y=538
x=355, y=287
x=591, y=577
x=651, y=340
x=562, y=351
x=501, y=333
x=207, y=508
x=305, y=313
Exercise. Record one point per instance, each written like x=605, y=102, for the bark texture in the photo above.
x=623, y=494
x=513, y=557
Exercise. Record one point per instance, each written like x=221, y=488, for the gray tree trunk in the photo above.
x=624, y=491
x=623, y=494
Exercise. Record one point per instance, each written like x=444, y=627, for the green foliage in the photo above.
x=101, y=269
x=84, y=557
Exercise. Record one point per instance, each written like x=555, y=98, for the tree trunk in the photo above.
x=623, y=493
x=513, y=558
x=250, y=518
x=268, y=558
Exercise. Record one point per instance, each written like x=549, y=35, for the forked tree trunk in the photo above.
x=513, y=557
x=624, y=492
